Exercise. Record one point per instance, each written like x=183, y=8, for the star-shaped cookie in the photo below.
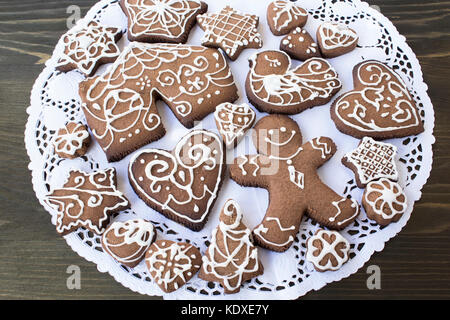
x=230, y=30
x=86, y=200
x=89, y=47
x=161, y=20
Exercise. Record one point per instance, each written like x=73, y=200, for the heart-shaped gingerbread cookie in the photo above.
x=182, y=184
x=380, y=106
x=336, y=39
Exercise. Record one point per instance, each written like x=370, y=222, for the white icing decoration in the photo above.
x=287, y=9
x=279, y=144
x=241, y=239
x=201, y=156
x=327, y=248
x=293, y=87
x=226, y=115
x=71, y=142
x=386, y=197
x=138, y=232
x=323, y=147
x=338, y=213
x=296, y=177
x=334, y=36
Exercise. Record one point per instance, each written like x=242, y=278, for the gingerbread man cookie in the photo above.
x=284, y=16
x=72, y=141
x=327, y=250
x=120, y=105
x=127, y=242
x=230, y=30
x=182, y=184
x=299, y=44
x=286, y=167
x=161, y=20
x=336, y=39
x=172, y=264
x=380, y=106
x=86, y=48
x=372, y=160
x=86, y=200
x=273, y=87
x=384, y=201
x=233, y=121
x=231, y=259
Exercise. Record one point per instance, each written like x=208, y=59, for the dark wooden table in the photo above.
x=33, y=259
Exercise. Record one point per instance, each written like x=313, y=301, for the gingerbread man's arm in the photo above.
x=318, y=151
x=253, y=170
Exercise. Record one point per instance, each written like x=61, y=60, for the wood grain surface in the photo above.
x=33, y=259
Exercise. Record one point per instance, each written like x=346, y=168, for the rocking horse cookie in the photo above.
x=285, y=166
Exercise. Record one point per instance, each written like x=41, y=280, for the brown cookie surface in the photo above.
x=336, y=39
x=284, y=16
x=231, y=30
x=127, y=242
x=161, y=20
x=86, y=200
x=233, y=121
x=86, y=48
x=299, y=44
x=120, y=106
x=380, y=106
x=182, y=184
x=384, y=201
x=172, y=264
x=72, y=141
x=285, y=166
x=372, y=160
x=231, y=259
x=327, y=250
x=273, y=87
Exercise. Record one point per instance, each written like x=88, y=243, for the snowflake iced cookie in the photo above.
x=161, y=20
x=380, y=106
x=72, y=141
x=284, y=166
x=372, y=160
x=284, y=16
x=230, y=30
x=273, y=87
x=299, y=44
x=336, y=39
x=233, y=121
x=127, y=242
x=86, y=200
x=231, y=259
x=120, y=105
x=86, y=48
x=172, y=264
x=182, y=184
x=327, y=250
x=384, y=201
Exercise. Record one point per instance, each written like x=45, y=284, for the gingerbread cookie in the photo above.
x=182, y=184
x=286, y=167
x=86, y=200
x=284, y=16
x=380, y=106
x=72, y=141
x=86, y=48
x=161, y=20
x=120, y=105
x=231, y=259
x=233, y=121
x=230, y=30
x=299, y=44
x=128, y=241
x=272, y=86
x=327, y=250
x=384, y=201
x=372, y=160
x=336, y=39
x=172, y=264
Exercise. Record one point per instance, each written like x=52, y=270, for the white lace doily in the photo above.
x=55, y=100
